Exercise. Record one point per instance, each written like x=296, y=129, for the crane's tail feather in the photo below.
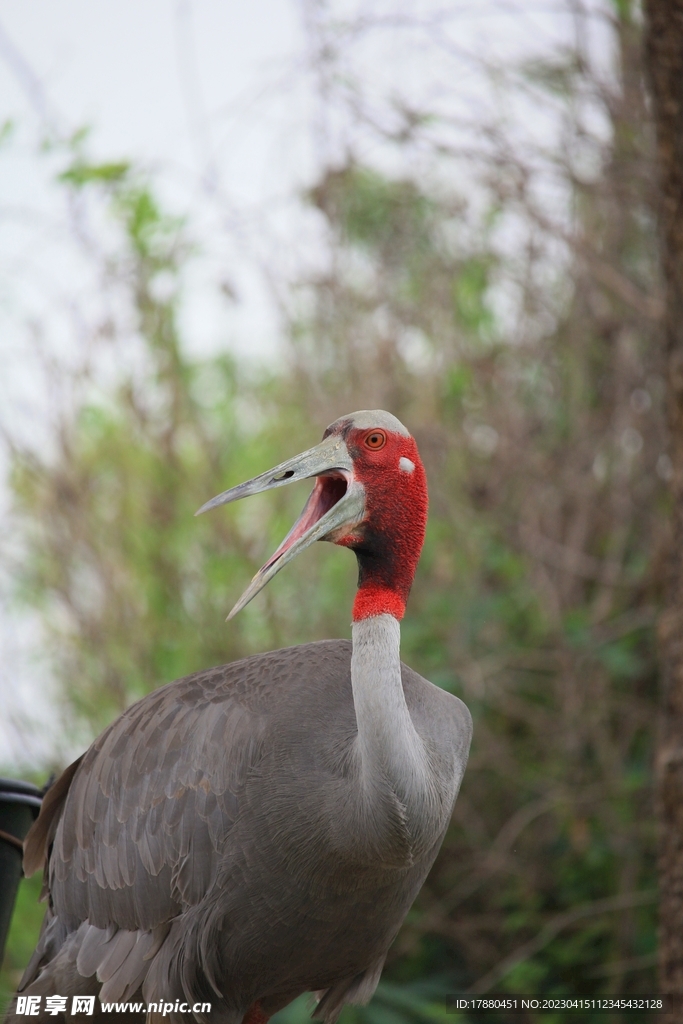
x=358, y=990
x=42, y=832
x=109, y=962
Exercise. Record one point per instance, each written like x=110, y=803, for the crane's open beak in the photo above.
x=336, y=504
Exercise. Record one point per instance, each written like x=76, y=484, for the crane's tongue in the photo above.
x=337, y=501
x=315, y=523
x=328, y=490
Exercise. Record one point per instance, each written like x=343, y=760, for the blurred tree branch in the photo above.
x=557, y=924
x=664, y=62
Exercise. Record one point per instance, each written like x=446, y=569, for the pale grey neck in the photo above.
x=392, y=754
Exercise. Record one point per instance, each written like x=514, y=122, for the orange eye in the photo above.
x=376, y=439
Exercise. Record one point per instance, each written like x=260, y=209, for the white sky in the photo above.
x=179, y=87
x=150, y=74
x=217, y=99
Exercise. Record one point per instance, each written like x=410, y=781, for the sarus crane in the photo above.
x=259, y=830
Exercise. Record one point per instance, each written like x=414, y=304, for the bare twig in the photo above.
x=553, y=928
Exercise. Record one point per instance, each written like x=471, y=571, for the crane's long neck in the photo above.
x=395, y=770
x=399, y=791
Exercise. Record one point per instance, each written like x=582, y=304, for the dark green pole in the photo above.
x=19, y=806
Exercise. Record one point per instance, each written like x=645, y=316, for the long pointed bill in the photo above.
x=336, y=503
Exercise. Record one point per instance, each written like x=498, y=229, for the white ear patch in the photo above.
x=405, y=465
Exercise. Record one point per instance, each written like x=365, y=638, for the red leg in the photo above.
x=255, y=1015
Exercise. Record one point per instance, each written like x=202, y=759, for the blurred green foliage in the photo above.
x=23, y=935
x=540, y=580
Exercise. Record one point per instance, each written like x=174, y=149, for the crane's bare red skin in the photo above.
x=388, y=543
x=255, y=1015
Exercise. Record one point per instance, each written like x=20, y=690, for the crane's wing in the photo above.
x=152, y=803
x=133, y=833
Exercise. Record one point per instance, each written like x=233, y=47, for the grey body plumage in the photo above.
x=212, y=816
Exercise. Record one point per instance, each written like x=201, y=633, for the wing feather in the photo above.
x=149, y=809
x=117, y=952
x=94, y=949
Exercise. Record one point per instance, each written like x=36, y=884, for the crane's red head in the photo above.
x=389, y=539
x=370, y=495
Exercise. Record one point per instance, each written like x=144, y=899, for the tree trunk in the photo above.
x=664, y=66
